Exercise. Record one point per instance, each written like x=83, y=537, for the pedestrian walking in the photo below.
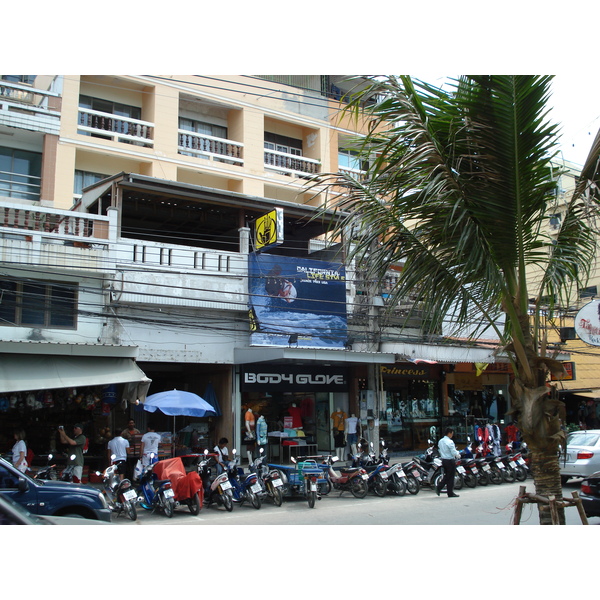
x=448, y=454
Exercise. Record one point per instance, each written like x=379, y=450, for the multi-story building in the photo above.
x=134, y=209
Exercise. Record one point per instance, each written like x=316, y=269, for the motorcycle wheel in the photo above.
x=482, y=478
x=194, y=504
x=436, y=480
x=380, y=487
x=495, y=477
x=169, y=507
x=277, y=496
x=520, y=473
x=311, y=497
x=254, y=499
x=470, y=480
x=508, y=475
x=325, y=487
x=130, y=510
x=458, y=482
x=398, y=486
x=358, y=487
x=227, y=500
x=413, y=486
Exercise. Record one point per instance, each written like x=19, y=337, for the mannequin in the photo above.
x=338, y=419
x=250, y=421
x=351, y=429
x=261, y=431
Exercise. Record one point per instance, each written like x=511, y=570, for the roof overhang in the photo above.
x=67, y=349
x=257, y=354
x=24, y=372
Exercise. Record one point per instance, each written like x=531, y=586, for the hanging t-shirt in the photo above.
x=296, y=415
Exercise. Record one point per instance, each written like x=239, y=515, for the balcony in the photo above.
x=291, y=164
x=115, y=127
x=24, y=107
x=20, y=185
x=210, y=147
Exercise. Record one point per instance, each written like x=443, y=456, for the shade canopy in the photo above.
x=179, y=403
x=22, y=372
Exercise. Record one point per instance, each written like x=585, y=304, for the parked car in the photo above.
x=12, y=513
x=590, y=495
x=52, y=498
x=582, y=456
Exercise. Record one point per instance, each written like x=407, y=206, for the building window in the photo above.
x=85, y=178
x=113, y=125
x=589, y=292
x=24, y=79
x=203, y=128
x=20, y=174
x=349, y=159
x=38, y=304
x=284, y=144
x=555, y=220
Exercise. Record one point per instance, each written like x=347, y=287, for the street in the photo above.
x=488, y=505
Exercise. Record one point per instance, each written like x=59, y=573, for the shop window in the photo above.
x=38, y=304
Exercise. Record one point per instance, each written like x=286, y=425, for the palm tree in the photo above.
x=457, y=191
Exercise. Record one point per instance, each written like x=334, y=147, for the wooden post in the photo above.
x=581, y=510
x=554, y=510
x=519, y=507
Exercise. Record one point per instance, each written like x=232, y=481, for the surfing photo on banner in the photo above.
x=296, y=301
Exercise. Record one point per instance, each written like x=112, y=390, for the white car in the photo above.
x=582, y=457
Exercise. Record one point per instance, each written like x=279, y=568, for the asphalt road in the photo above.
x=489, y=505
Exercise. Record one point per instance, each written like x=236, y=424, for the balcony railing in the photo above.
x=25, y=220
x=210, y=147
x=19, y=185
x=115, y=127
x=28, y=108
x=291, y=164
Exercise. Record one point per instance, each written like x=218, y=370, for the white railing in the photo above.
x=290, y=163
x=211, y=147
x=356, y=173
x=26, y=220
x=25, y=107
x=115, y=127
x=19, y=185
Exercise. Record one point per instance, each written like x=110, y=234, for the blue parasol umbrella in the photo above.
x=176, y=403
x=211, y=397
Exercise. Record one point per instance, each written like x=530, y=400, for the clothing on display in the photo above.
x=339, y=420
x=296, y=413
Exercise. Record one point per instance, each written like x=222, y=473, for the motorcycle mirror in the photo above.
x=333, y=459
x=50, y=456
x=383, y=443
x=468, y=438
x=428, y=441
x=261, y=451
x=234, y=451
x=72, y=457
x=371, y=444
x=205, y=451
x=151, y=454
x=98, y=473
x=113, y=456
x=293, y=459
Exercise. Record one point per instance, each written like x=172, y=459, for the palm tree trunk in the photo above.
x=545, y=469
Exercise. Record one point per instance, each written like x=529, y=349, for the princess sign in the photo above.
x=587, y=323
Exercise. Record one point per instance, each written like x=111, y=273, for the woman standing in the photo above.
x=19, y=451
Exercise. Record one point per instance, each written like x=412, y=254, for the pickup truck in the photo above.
x=53, y=498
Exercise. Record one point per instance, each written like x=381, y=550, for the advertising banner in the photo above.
x=296, y=302
x=285, y=378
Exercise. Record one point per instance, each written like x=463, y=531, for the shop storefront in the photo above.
x=413, y=405
x=296, y=401
x=477, y=396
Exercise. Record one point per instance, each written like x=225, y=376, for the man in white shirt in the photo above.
x=149, y=445
x=117, y=447
x=448, y=454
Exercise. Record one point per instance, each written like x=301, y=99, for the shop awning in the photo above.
x=22, y=372
x=257, y=354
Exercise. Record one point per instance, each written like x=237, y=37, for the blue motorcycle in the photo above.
x=155, y=494
x=245, y=486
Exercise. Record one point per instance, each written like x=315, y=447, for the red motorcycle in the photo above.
x=187, y=486
x=347, y=479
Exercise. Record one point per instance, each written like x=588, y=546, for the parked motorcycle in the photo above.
x=48, y=472
x=217, y=488
x=119, y=493
x=154, y=493
x=187, y=487
x=244, y=486
x=347, y=479
x=414, y=475
x=268, y=479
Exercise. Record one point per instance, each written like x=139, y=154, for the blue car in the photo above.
x=52, y=498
